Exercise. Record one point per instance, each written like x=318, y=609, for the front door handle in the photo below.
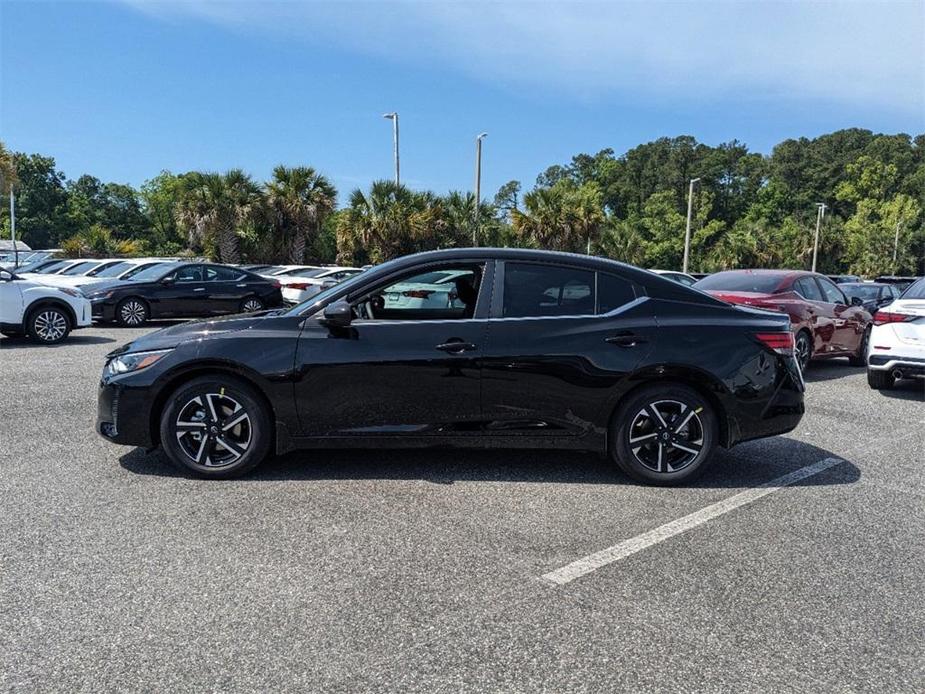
x=628, y=340
x=199, y=289
x=456, y=347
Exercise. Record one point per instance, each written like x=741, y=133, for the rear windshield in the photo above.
x=862, y=291
x=915, y=291
x=79, y=268
x=304, y=272
x=741, y=282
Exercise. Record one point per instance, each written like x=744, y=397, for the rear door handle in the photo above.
x=240, y=285
x=456, y=347
x=199, y=289
x=624, y=340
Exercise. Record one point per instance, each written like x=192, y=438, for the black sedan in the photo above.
x=182, y=290
x=523, y=349
x=872, y=294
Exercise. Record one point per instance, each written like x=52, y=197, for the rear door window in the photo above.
x=538, y=290
x=808, y=289
x=222, y=274
x=613, y=292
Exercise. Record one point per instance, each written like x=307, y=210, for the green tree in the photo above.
x=299, y=201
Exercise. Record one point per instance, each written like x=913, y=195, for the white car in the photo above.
x=301, y=285
x=435, y=289
x=46, y=314
x=276, y=270
x=679, y=277
x=114, y=269
x=897, y=340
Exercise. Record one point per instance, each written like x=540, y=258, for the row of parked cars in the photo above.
x=880, y=325
x=46, y=297
x=872, y=323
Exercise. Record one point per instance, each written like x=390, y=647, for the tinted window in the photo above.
x=145, y=273
x=79, y=268
x=415, y=298
x=113, y=270
x=738, y=281
x=547, y=290
x=808, y=289
x=865, y=292
x=53, y=267
x=613, y=292
x=222, y=274
x=832, y=293
x=915, y=291
x=189, y=273
x=304, y=272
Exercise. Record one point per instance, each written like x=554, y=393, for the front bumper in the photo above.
x=123, y=414
x=103, y=311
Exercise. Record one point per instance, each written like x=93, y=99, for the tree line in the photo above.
x=748, y=209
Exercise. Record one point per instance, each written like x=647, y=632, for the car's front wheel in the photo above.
x=664, y=434
x=48, y=325
x=251, y=305
x=216, y=426
x=131, y=312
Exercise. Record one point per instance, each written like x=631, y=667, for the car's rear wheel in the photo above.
x=251, y=305
x=664, y=434
x=880, y=380
x=48, y=325
x=131, y=312
x=803, y=349
x=216, y=426
x=860, y=359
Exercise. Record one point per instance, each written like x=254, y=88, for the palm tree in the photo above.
x=214, y=207
x=299, y=200
x=562, y=217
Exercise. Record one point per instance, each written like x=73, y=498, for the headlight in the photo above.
x=99, y=296
x=134, y=361
x=69, y=291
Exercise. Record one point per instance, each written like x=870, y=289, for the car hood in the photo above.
x=167, y=338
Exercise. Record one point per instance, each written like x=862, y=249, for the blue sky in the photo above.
x=125, y=89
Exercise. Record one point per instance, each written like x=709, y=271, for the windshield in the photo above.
x=137, y=269
x=153, y=272
x=865, y=292
x=270, y=270
x=79, y=268
x=57, y=265
x=113, y=270
x=737, y=281
x=304, y=272
x=915, y=291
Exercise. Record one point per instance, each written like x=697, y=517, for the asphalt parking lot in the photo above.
x=424, y=570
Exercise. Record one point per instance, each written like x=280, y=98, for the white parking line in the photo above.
x=592, y=562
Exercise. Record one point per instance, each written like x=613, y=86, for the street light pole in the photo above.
x=478, y=185
x=896, y=243
x=687, y=233
x=820, y=213
x=394, y=118
x=13, y=226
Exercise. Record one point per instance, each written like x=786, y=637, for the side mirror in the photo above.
x=167, y=281
x=327, y=284
x=6, y=276
x=337, y=315
x=857, y=301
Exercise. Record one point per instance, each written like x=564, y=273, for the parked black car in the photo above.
x=873, y=294
x=899, y=282
x=177, y=289
x=528, y=349
x=844, y=279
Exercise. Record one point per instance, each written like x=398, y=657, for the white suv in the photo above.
x=897, y=340
x=46, y=314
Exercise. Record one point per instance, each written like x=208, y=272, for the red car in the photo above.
x=825, y=322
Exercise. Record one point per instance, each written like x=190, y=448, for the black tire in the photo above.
x=48, y=325
x=691, y=421
x=803, y=349
x=251, y=304
x=880, y=380
x=132, y=312
x=860, y=359
x=236, y=450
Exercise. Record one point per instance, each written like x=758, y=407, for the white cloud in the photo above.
x=867, y=53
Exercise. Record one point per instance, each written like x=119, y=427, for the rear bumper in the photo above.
x=909, y=366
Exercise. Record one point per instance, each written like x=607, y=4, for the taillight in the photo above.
x=884, y=317
x=277, y=284
x=417, y=293
x=779, y=342
x=301, y=286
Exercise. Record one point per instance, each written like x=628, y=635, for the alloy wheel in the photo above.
x=666, y=435
x=132, y=312
x=213, y=430
x=803, y=352
x=252, y=305
x=50, y=325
